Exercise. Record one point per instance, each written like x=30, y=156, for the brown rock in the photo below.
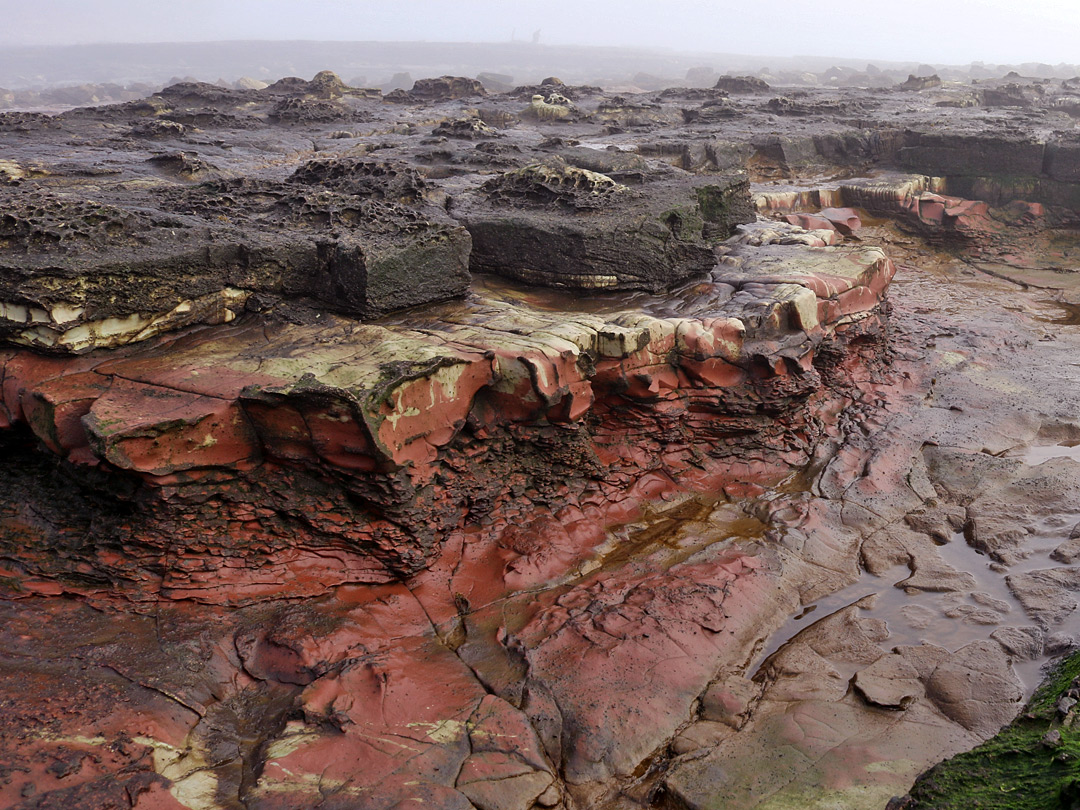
x=741, y=84
x=1069, y=551
x=446, y=88
x=916, y=83
x=890, y=682
x=1048, y=595
x=1023, y=643
x=977, y=688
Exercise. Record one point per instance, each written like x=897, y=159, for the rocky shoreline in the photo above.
x=494, y=451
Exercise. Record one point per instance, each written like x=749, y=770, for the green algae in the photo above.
x=1021, y=768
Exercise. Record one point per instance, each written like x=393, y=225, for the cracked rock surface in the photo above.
x=361, y=452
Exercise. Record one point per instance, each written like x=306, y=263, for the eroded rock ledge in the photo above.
x=289, y=543
x=322, y=450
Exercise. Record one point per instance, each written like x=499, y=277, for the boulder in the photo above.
x=917, y=83
x=546, y=109
x=741, y=84
x=559, y=225
x=446, y=88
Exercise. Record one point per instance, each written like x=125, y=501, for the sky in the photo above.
x=953, y=32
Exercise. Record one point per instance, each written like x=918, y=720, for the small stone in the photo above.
x=550, y=797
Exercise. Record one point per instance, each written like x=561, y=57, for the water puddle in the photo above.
x=605, y=146
x=1069, y=313
x=1035, y=456
x=670, y=536
x=948, y=619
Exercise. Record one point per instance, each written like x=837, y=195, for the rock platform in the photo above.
x=491, y=450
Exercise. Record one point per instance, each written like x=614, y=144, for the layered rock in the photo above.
x=298, y=438
x=913, y=203
x=78, y=273
x=555, y=224
x=524, y=548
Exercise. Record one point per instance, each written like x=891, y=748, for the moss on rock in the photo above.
x=1031, y=764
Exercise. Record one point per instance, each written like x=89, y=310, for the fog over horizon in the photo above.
x=952, y=32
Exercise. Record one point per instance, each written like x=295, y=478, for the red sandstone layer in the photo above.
x=285, y=458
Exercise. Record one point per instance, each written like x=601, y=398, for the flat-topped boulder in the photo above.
x=443, y=88
x=741, y=84
x=80, y=271
x=556, y=224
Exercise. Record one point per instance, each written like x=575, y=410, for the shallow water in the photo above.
x=1034, y=456
x=947, y=619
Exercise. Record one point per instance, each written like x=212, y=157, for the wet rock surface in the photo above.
x=365, y=451
x=1035, y=751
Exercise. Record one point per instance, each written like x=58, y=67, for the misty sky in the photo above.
x=940, y=31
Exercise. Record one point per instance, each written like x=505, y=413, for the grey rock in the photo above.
x=559, y=225
x=977, y=688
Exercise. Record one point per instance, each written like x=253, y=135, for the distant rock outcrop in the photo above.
x=742, y=84
x=446, y=88
x=915, y=83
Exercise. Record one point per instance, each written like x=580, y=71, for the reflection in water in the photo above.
x=672, y=535
x=1070, y=313
x=950, y=619
x=947, y=619
x=1034, y=456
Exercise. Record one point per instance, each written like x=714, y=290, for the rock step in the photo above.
x=360, y=435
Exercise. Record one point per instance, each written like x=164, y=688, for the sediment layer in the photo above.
x=353, y=462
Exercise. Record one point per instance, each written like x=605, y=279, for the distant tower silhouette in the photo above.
x=536, y=37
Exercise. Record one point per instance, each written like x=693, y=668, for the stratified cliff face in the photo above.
x=360, y=454
x=348, y=451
